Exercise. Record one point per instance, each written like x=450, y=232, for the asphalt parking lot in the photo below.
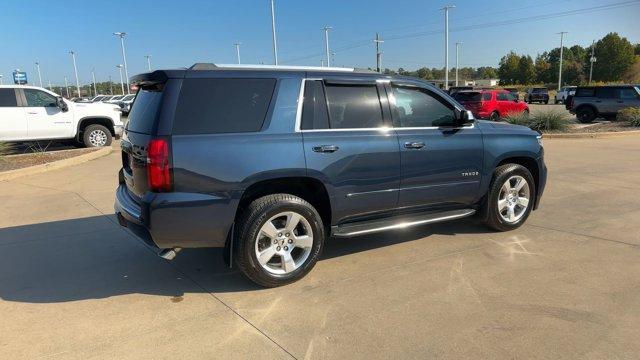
x=74, y=285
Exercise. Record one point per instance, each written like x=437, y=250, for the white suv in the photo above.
x=30, y=113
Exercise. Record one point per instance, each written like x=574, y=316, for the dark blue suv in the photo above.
x=270, y=161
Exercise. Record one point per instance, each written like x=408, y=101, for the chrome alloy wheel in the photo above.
x=514, y=198
x=284, y=243
x=98, y=138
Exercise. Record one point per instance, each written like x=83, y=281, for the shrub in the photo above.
x=5, y=148
x=543, y=121
x=630, y=115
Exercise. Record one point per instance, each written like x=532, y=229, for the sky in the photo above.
x=181, y=33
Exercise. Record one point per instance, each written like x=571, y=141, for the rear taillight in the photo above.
x=158, y=173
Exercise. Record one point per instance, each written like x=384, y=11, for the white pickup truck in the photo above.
x=30, y=113
x=563, y=94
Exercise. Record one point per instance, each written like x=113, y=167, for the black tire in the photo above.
x=546, y=102
x=489, y=210
x=495, y=116
x=585, y=115
x=556, y=101
x=91, y=133
x=247, y=230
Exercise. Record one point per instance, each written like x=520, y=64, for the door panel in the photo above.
x=45, y=119
x=13, y=124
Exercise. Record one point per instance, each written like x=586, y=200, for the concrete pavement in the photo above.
x=74, y=285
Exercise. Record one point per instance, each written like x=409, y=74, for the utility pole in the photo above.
x=93, y=76
x=326, y=43
x=75, y=70
x=560, y=68
x=237, y=45
x=273, y=30
x=66, y=85
x=39, y=75
x=457, y=60
x=148, y=61
x=119, y=66
x=50, y=85
x=592, y=59
x=110, y=86
x=1, y=82
x=121, y=35
x=446, y=45
x=321, y=62
x=378, y=53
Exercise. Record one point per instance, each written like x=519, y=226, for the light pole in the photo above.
x=326, y=43
x=560, y=67
x=110, y=86
x=148, y=61
x=121, y=35
x=457, y=60
x=378, y=41
x=592, y=59
x=321, y=62
x=237, y=45
x=273, y=30
x=93, y=76
x=446, y=45
x=50, y=85
x=1, y=83
x=66, y=85
x=75, y=70
x=119, y=66
x=39, y=74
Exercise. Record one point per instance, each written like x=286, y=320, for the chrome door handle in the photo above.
x=32, y=113
x=325, y=148
x=414, y=145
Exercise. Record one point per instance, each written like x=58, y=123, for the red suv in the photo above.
x=490, y=104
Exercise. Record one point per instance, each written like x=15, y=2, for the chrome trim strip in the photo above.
x=370, y=192
x=440, y=185
x=403, y=225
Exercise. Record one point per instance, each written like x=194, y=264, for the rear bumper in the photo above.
x=168, y=220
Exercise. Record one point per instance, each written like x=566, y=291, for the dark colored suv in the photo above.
x=268, y=162
x=591, y=102
x=540, y=95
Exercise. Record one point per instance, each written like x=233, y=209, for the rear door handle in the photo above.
x=32, y=113
x=325, y=148
x=414, y=145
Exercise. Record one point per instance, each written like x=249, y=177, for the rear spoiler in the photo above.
x=151, y=78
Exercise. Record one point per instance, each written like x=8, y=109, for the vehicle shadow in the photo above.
x=93, y=258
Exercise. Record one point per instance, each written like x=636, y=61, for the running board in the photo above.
x=395, y=223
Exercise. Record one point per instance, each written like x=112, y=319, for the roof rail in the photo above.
x=211, y=66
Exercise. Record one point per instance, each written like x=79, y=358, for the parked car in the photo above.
x=564, y=93
x=540, y=95
x=98, y=98
x=125, y=103
x=268, y=162
x=591, y=102
x=32, y=113
x=490, y=104
x=113, y=99
x=514, y=92
x=455, y=89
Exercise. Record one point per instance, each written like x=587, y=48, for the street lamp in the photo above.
x=326, y=43
x=1, y=79
x=119, y=66
x=93, y=76
x=273, y=31
x=446, y=45
x=148, y=61
x=66, y=85
x=560, y=68
x=75, y=70
x=237, y=45
x=121, y=35
x=39, y=74
x=457, y=60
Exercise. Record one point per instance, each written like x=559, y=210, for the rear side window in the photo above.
x=314, y=111
x=585, y=92
x=8, y=98
x=486, y=96
x=502, y=96
x=144, y=112
x=468, y=96
x=213, y=106
x=540, y=90
x=606, y=93
x=627, y=93
x=354, y=106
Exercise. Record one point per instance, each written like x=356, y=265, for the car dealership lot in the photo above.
x=565, y=285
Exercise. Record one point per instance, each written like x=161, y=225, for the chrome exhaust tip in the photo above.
x=169, y=254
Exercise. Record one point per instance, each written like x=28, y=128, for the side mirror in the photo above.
x=61, y=104
x=465, y=117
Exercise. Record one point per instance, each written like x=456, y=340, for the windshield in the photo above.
x=539, y=90
x=468, y=96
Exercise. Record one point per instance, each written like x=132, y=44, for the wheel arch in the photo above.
x=94, y=120
x=585, y=106
x=529, y=163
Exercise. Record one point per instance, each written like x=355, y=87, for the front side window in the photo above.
x=502, y=96
x=414, y=107
x=8, y=98
x=37, y=98
x=606, y=93
x=628, y=93
x=353, y=106
x=486, y=96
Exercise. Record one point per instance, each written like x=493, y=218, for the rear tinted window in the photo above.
x=8, y=98
x=143, y=115
x=540, y=90
x=314, y=111
x=585, y=92
x=606, y=93
x=213, y=106
x=468, y=96
x=353, y=107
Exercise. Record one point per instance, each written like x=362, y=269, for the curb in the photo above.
x=594, y=135
x=36, y=169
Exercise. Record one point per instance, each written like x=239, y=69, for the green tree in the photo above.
x=486, y=72
x=526, y=70
x=636, y=49
x=425, y=73
x=508, y=69
x=543, y=68
x=615, y=57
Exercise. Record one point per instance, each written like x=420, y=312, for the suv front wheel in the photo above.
x=585, y=115
x=510, y=198
x=279, y=239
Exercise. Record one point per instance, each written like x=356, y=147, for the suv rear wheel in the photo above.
x=96, y=136
x=494, y=116
x=279, y=239
x=585, y=115
x=510, y=198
